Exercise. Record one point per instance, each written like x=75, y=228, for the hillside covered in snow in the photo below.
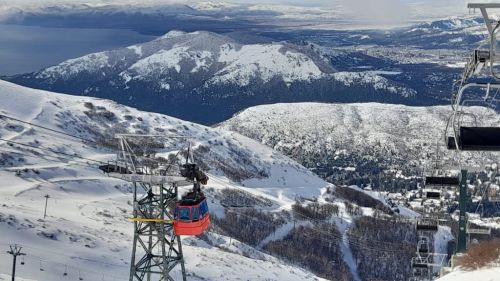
x=272, y=219
x=490, y=274
x=86, y=231
x=206, y=77
x=354, y=143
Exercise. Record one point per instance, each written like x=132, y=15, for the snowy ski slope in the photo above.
x=86, y=231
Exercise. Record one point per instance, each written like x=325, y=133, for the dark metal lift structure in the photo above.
x=156, y=250
x=470, y=133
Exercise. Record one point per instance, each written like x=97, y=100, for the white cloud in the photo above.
x=378, y=11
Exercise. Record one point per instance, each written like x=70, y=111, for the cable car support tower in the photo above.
x=156, y=249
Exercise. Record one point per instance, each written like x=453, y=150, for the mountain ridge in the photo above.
x=354, y=143
x=207, y=77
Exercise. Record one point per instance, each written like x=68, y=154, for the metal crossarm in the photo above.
x=483, y=8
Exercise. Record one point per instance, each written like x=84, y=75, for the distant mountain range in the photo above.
x=207, y=77
x=312, y=14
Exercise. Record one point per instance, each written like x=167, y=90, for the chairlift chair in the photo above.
x=477, y=137
x=432, y=194
x=427, y=224
x=417, y=262
x=477, y=230
x=438, y=178
x=472, y=136
x=423, y=247
x=441, y=180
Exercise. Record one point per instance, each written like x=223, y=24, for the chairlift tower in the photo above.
x=467, y=134
x=156, y=249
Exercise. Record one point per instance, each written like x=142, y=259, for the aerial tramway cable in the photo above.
x=324, y=234
x=85, y=140
x=232, y=210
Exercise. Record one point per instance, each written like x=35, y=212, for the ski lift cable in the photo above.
x=320, y=238
x=113, y=150
x=73, y=156
x=322, y=235
x=53, y=158
x=66, y=255
x=359, y=243
x=327, y=234
x=67, y=156
x=47, y=128
x=215, y=178
x=57, y=159
x=51, y=150
x=35, y=259
x=67, y=134
x=299, y=214
x=46, y=261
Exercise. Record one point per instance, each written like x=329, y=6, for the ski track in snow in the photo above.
x=343, y=223
x=281, y=232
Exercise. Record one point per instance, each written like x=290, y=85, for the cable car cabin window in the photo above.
x=185, y=216
x=203, y=208
x=195, y=213
x=176, y=212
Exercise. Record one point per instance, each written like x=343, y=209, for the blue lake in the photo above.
x=30, y=48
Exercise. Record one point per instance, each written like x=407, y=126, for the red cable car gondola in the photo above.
x=191, y=215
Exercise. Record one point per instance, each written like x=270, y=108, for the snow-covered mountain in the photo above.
x=86, y=231
x=321, y=12
x=213, y=5
x=207, y=77
x=195, y=53
x=354, y=142
x=448, y=32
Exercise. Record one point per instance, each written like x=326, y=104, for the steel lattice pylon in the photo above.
x=156, y=250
